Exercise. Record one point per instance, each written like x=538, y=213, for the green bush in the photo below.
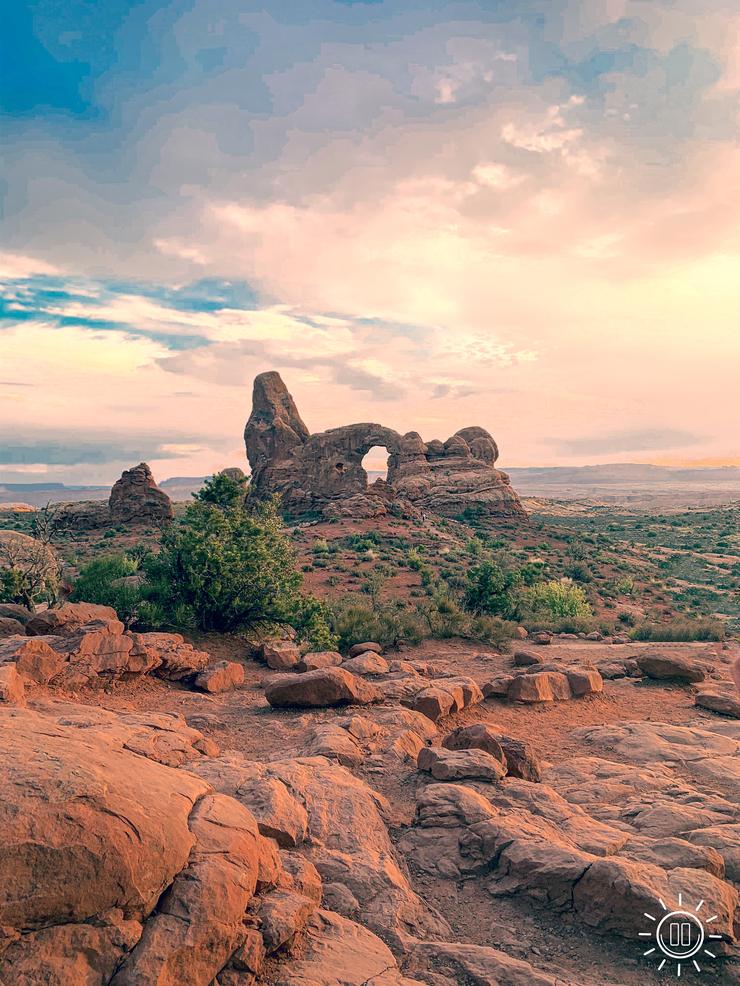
x=558, y=599
x=224, y=568
x=111, y=581
x=356, y=618
x=491, y=590
x=223, y=489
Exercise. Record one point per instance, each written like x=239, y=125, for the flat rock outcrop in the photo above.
x=323, y=473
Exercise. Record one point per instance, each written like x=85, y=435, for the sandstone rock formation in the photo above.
x=322, y=472
x=134, y=499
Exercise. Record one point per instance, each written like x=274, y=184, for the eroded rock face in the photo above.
x=135, y=497
x=323, y=472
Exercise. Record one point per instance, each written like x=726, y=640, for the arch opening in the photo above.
x=375, y=463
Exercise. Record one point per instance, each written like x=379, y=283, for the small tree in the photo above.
x=30, y=570
x=225, y=568
x=224, y=489
x=491, y=590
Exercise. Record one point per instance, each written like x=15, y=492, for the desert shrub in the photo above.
x=356, y=618
x=677, y=630
x=111, y=580
x=492, y=590
x=29, y=569
x=557, y=606
x=223, y=490
x=225, y=568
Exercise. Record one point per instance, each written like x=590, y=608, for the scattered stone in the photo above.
x=280, y=655
x=726, y=703
x=367, y=663
x=525, y=659
x=316, y=689
x=136, y=499
x=221, y=676
x=319, y=659
x=456, y=765
x=521, y=633
x=357, y=649
x=498, y=687
x=542, y=637
x=667, y=667
x=12, y=690
x=544, y=686
x=584, y=682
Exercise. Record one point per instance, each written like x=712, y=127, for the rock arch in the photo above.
x=323, y=472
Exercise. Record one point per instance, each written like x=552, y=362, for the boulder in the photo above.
x=584, y=682
x=521, y=760
x=12, y=690
x=280, y=655
x=478, y=736
x=456, y=765
x=445, y=696
x=669, y=666
x=541, y=637
x=282, y=914
x=279, y=814
x=726, y=703
x=168, y=655
x=367, y=663
x=544, y=686
x=221, y=676
x=346, y=840
x=13, y=611
x=33, y=656
x=498, y=687
x=136, y=499
x=321, y=688
x=10, y=627
x=338, y=951
x=319, y=659
x=525, y=659
x=69, y=617
x=357, y=649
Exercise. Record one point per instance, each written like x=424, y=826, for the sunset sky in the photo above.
x=524, y=215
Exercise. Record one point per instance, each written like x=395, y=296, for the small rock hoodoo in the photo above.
x=323, y=472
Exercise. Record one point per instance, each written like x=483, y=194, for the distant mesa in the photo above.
x=134, y=499
x=323, y=473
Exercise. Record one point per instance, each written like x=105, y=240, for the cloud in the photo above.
x=645, y=440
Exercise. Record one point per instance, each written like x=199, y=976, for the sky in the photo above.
x=522, y=215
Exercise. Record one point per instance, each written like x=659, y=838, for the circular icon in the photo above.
x=680, y=934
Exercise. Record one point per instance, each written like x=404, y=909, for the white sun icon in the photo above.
x=680, y=936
